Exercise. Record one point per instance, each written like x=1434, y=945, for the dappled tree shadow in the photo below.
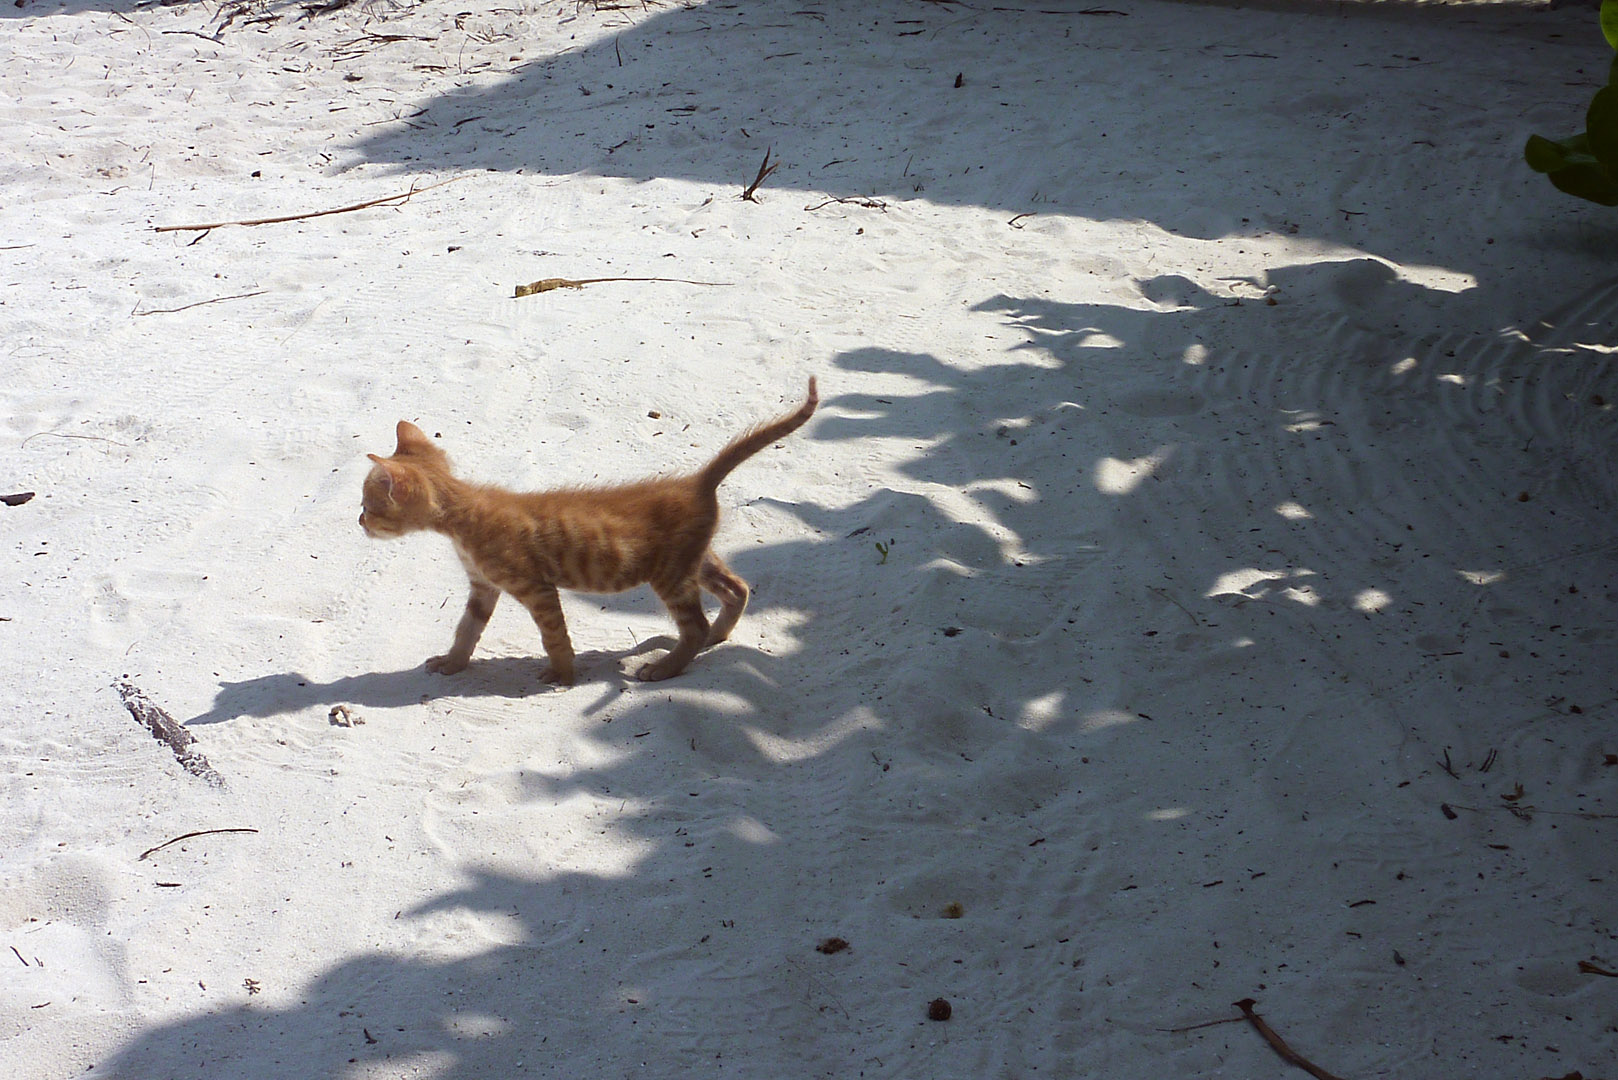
x=1020, y=619
x=1019, y=616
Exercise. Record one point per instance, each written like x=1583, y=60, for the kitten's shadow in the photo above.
x=513, y=677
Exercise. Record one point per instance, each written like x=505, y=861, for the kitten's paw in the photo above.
x=555, y=677
x=658, y=670
x=445, y=665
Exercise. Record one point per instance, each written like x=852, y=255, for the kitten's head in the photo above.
x=400, y=494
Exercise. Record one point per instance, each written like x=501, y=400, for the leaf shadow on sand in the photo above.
x=1093, y=622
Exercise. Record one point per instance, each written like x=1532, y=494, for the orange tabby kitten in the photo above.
x=655, y=532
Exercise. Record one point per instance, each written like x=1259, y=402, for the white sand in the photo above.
x=1185, y=597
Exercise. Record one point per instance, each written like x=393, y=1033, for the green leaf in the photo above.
x=1591, y=182
x=1544, y=155
x=1601, y=124
x=1586, y=164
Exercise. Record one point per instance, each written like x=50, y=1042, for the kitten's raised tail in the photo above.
x=751, y=442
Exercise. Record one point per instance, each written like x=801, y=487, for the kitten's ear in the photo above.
x=412, y=438
x=395, y=478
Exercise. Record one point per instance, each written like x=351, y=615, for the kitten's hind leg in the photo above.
x=685, y=604
x=546, y=608
x=732, y=591
x=479, y=606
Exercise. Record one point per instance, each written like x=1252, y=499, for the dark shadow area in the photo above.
x=1020, y=627
x=864, y=102
x=512, y=677
x=1020, y=620
x=310, y=9
x=34, y=9
x=221, y=17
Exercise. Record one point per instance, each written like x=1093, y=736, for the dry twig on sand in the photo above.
x=362, y=46
x=551, y=283
x=187, y=836
x=199, y=303
x=166, y=730
x=850, y=200
x=765, y=168
x=312, y=10
x=68, y=435
x=390, y=199
x=197, y=33
x=1204, y=1024
x=1526, y=811
x=1289, y=1055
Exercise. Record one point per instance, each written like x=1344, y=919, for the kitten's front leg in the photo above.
x=546, y=607
x=479, y=606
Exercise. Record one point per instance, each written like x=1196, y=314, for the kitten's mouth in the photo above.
x=378, y=533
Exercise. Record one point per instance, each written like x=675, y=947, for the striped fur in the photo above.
x=602, y=540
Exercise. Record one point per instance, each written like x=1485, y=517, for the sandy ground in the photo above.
x=1198, y=584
